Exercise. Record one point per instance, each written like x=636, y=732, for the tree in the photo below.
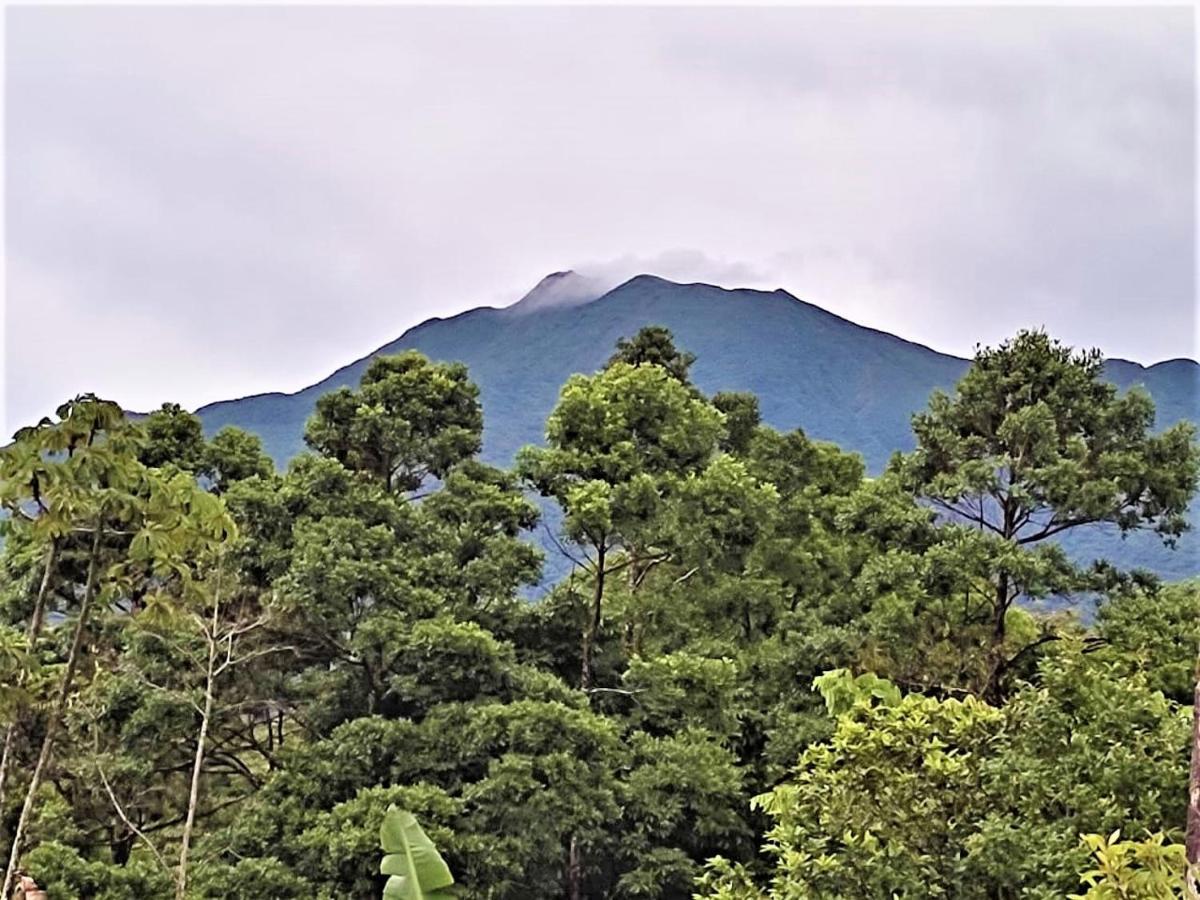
x=1034, y=443
x=1155, y=630
x=615, y=441
x=654, y=345
x=918, y=796
x=1087, y=749
x=742, y=419
x=234, y=455
x=174, y=436
x=79, y=480
x=883, y=809
x=408, y=420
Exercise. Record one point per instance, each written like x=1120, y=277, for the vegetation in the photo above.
x=766, y=675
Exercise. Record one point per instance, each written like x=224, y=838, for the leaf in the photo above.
x=417, y=870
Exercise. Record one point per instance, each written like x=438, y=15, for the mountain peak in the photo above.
x=559, y=290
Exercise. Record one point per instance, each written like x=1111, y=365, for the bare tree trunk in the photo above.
x=210, y=677
x=31, y=635
x=56, y=716
x=1192, y=840
x=574, y=871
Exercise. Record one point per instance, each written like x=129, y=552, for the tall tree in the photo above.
x=173, y=436
x=654, y=345
x=408, y=419
x=1034, y=443
x=80, y=479
x=615, y=442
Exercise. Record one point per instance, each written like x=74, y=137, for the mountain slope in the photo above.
x=811, y=369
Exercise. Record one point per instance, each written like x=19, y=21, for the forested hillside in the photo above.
x=771, y=671
x=810, y=369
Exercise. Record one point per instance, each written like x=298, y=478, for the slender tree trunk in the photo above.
x=56, y=716
x=574, y=871
x=992, y=692
x=210, y=677
x=1192, y=840
x=31, y=635
x=592, y=631
x=590, y=636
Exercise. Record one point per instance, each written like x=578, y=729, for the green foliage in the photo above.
x=842, y=690
x=415, y=869
x=1035, y=443
x=234, y=455
x=654, y=346
x=1150, y=869
x=764, y=677
x=1156, y=631
x=65, y=874
x=174, y=437
x=408, y=420
x=929, y=797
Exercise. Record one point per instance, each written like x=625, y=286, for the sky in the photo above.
x=208, y=202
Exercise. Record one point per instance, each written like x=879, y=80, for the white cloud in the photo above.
x=230, y=200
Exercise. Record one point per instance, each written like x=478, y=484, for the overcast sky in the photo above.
x=209, y=202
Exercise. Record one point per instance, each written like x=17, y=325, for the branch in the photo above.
x=977, y=518
x=1044, y=639
x=686, y=575
x=561, y=549
x=1054, y=528
x=128, y=824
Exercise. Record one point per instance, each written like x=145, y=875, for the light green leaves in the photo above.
x=417, y=870
x=841, y=690
x=1152, y=869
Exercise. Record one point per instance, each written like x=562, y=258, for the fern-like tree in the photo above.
x=106, y=527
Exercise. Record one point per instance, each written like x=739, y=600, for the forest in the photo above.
x=769, y=673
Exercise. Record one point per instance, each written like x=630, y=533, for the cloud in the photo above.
x=680, y=264
x=209, y=202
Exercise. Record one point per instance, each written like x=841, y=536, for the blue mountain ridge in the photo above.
x=811, y=369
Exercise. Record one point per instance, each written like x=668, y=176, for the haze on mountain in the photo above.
x=837, y=380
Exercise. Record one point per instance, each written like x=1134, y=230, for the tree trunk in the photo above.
x=56, y=716
x=210, y=678
x=992, y=692
x=31, y=635
x=592, y=631
x=574, y=871
x=197, y=766
x=1192, y=840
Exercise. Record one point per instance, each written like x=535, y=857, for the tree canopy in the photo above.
x=768, y=673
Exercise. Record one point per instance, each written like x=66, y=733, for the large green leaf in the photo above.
x=417, y=869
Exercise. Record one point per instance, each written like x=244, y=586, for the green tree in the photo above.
x=174, y=437
x=1034, y=443
x=1156, y=630
x=234, y=455
x=409, y=419
x=78, y=482
x=654, y=345
x=883, y=809
x=616, y=443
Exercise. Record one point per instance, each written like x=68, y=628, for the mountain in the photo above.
x=837, y=380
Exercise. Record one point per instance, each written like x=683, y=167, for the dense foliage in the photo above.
x=766, y=675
